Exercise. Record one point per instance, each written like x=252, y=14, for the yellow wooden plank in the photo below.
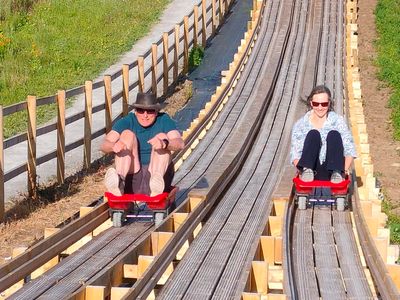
x=268, y=248
x=260, y=273
x=95, y=292
x=118, y=293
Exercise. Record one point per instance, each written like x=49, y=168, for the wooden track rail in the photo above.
x=42, y=252
x=233, y=232
x=211, y=107
x=352, y=279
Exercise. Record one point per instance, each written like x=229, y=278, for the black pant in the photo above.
x=334, y=154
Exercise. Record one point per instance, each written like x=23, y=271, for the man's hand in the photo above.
x=157, y=143
x=119, y=146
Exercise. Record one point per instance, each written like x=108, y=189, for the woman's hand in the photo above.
x=295, y=162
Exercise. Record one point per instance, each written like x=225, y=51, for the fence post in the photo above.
x=31, y=101
x=88, y=124
x=1, y=166
x=60, y=136
x=221, y=13
x=154, y=69
x=108, y=102
x=213, y=17
x=125, y=89
x=204, y=23
x=140, y=66
x=195, y=25
x=165, y=62
x=176, y=52
x=185, y=44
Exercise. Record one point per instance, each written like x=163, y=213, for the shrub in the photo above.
x=195, y=57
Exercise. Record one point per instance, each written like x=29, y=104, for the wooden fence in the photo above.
x=163, y=62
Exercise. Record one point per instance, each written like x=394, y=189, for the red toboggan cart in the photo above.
x=140, y=207
x=322, y=192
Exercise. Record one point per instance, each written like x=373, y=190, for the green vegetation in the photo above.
x=50, y=45
x=195, y=57
x=393, y=221
x=388, y=23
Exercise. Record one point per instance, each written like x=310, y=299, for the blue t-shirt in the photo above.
x=163, y=123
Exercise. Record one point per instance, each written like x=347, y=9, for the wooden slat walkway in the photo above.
x=212, y=146
x=329, y=277
x=303, y=262
x=352, y=270
x=73, y=270
x=213, y=265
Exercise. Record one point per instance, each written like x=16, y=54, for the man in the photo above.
x=142, y=142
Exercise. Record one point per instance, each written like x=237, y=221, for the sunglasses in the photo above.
x=316, y=104
x=148, y=111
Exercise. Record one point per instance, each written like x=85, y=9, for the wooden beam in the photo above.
x=394, y=271
x=95, y=292
x=88, y=125
x=195, y=25
x=194, y=202
x=131, y=271
x=158, y=240
x=165, y=62
x=250, y=296
x=144, y=262
x=108, y=102
x=31, y=105
x=268, y=248
x=179, y=218
x=280, y=206
x=278, y=250
x=260, y=273
x=185, y=44
x=125, y=89
x=203, y=23
x=140, y=65
x=154, y=69
x=176, y=52
x=61, y=136
x=118, y=293
x=275, y=225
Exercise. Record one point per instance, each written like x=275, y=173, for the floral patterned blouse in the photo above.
x=333, y=122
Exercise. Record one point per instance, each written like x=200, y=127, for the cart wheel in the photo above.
x=340, y=204
x=117, y=219
x=302, y=202
x=158, y=218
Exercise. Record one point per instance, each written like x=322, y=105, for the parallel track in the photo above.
x=235, y=170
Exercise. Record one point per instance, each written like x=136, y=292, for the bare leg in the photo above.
x=159, y=162
x=127, y=161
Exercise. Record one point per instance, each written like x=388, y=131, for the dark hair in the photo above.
x=320, y=89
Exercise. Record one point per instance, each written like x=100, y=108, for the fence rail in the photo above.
x=156, y=70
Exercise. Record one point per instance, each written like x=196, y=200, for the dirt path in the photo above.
x=385, y=152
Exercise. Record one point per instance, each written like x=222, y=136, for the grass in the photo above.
x=51, y=45
x=388, y=44
x=393, y=221
x=388, y=21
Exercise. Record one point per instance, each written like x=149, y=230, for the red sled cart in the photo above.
x=140, y=207
x=322, y=192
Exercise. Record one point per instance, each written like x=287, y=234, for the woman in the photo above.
x=322, y=144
